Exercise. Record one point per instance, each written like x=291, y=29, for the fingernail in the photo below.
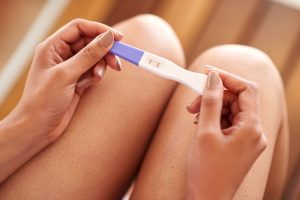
x=105, y=39
x=188, y=107
x=100, y=71
x=213, y=79
x=209, y=66
x=118, y=63
x=119, y=33
x=83, y=82
x=192, y=103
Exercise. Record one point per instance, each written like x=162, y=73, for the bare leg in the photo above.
x=163, y=174
x=100, y=152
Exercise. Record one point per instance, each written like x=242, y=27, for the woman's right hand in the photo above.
x=229, y=136
x=64, y=65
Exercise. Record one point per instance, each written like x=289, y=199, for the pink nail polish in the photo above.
x=100, y=71
x=118, y=63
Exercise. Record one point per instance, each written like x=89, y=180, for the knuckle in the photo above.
x=206, y=134
x=76, y=21
x=252, y=118
x=40, y=47
x=253, y=87
x=255, y=131
x=89, y=52
x=60, y=73
x=206, y=140
x=211, y=100
x=263, y=142
x=60, y=46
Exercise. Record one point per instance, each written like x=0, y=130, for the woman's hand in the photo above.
x=229, y=136
x=63, y=67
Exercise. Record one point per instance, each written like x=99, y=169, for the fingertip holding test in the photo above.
x=209, y=67
x=118, y=63
x=100, y=70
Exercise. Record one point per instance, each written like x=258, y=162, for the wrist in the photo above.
x=210, y=194
x=27, y=124
x=208, y=188
x=20, y=140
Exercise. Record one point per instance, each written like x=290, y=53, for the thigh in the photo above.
x=100, y=152
x=163, y=173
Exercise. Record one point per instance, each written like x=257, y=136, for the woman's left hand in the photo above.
x=229, y=136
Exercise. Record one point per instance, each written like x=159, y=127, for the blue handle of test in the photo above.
x=127, y=52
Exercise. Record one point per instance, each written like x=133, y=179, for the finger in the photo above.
x=96, y=71
x=113, y=61
x=78, y=45
x=228, y=101
x=92, y=77
x=225, y=123
x=83, y=84
x=230, y=129
x=232, y=82
x=89, y=55
x=99, y=70
x=246, y=90
x=225, y=111
x=76, y=29
x=228, y=98
x=211, y=102
x=194, y=107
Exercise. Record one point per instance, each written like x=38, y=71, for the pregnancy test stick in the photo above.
x=160, y=66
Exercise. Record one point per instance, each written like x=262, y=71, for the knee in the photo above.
x=154, y=26
x=157, y=33
x=240, y=56
x=151, y=22
x=245, y=61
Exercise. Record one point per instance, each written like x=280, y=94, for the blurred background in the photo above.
x=270, y=25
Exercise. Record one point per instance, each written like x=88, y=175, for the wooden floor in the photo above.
x=269, y=26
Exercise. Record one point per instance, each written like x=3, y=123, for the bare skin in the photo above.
x=163, y=172
x=99, y=153
x=127, y=105
x=56, y=100
x=229, y=127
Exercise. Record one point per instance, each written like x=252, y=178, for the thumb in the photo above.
x=88, y=56
x=211, y=103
